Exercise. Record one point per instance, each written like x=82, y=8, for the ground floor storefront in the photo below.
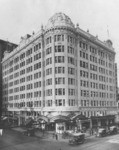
x=102, y=121
x=61, y=123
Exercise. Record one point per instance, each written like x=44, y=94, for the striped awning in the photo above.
x=44, y=118
x=79, y=117
x=59, y=118
x=4, y=118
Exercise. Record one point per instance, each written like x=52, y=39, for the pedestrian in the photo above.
x=95, y=133
x=90, y=131
x=53, y=135
x=1, y=132
x=43, y=131
x=56, y=137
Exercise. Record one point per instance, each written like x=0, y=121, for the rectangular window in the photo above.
x=37, y=66
x=48, y=50
x=59, y=59
x=37, y=56
x=29, y=52
x=48, y=61
x=60, y=91
x=58, y=38
x=60, y=102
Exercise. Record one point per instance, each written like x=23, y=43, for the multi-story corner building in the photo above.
x=60, y=69
x=4, y=45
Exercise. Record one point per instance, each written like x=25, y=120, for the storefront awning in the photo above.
x=59, y=118
x=103, y=117
x=71, y=115
x=44, y=118
x=78, y=117
x=4, y=118
x=10, y=118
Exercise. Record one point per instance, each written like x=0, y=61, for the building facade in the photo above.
x=4, y=45
x=59, y=70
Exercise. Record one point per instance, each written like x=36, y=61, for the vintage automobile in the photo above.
x=101, y=132
x=77, y=138
x=29, y=132
x=65, y=135
x=113, y=130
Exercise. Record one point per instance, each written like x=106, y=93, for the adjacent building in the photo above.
x=4, y=45
x=59, y=70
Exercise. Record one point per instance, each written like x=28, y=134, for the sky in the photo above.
x=21, y=17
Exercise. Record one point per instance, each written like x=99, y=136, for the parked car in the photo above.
x=65, y=135
x=77, y=138
x=113, y=130
x=101, y=132
x=29, y=132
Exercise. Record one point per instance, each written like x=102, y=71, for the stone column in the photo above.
x=91, y=123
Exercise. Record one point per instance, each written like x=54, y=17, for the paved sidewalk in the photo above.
x=48, y=135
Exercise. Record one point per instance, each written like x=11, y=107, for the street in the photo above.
x=12, y=140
